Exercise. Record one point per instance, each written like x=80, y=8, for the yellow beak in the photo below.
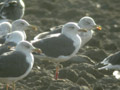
x=37, y=50
x=33, y=27
x=82, y=30
x=99, y=28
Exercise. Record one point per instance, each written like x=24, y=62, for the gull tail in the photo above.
x=105, y=67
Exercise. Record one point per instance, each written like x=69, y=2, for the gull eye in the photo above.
x=88, y=22
x=13, y=3
x=71, y=27
x=27, y=46
x=8, y=36
x=22, y=23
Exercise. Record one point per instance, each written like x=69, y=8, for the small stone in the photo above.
x=38, y=67
x=98, y=5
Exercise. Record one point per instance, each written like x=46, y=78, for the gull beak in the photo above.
x=13, y=2
x=2, y=3
x=32, y=27
x=82, y=30
x=36, y=50
x=11, y=48
x=98, y=27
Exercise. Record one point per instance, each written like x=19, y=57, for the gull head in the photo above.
x=15, y=37
x=5, y=27
x=16, y=2
x=88, y=23
x=72, y=28
x=26, y=46
x=22, y=25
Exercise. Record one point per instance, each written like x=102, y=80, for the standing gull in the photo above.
x=16, y=65
x=12, y=9
x=86, y=22
x=61, y=46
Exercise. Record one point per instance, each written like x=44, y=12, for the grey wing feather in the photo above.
x=46, y=34
x=12, y=11
x=113, y=59
x=55, y=46
x=13, y=65
x=4, y=48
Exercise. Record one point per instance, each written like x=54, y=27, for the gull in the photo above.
x=17, y=64
x=62, y=46
x=5, y=27
x=17, y=25
x=112, y=62
x=86, y=22
x=12, y=9
x=10, y=41
x=22, y=25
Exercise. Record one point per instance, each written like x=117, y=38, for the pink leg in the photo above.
x=57, y=72
x=7, y=86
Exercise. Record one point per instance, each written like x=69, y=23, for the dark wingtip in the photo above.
x=98, y=65
x=2, y=39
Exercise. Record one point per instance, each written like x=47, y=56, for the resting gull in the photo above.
x=5, y=27
x=86, y=22
x=112, y=62
x=61, y=46
x=89, y=24
x=22, y=25
x=12, y=9
x=17, y=25
x=17, y=64
x=11, y=40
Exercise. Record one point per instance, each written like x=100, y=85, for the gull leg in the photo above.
x=7, y=86
x=57, y=72
x=13, y=85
